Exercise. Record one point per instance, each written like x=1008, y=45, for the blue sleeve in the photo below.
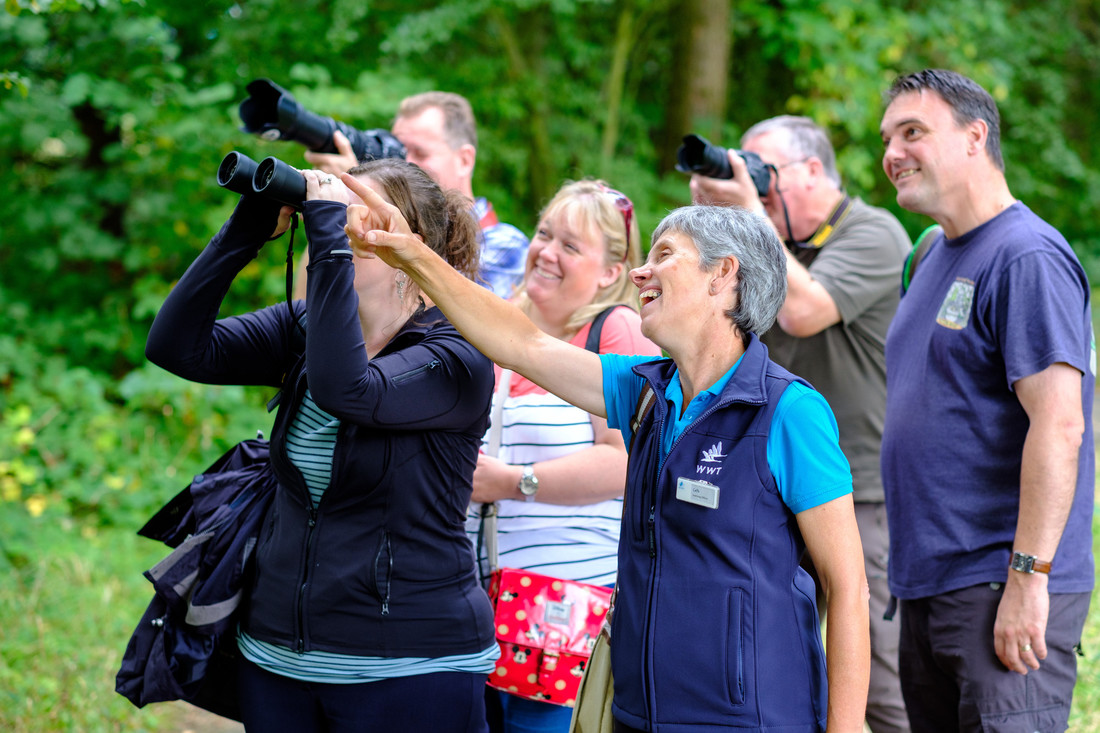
x=1049, y=323
x=503, y=258
x=621, y=387
x=803, y=452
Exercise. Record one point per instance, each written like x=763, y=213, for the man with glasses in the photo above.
x=844, y=262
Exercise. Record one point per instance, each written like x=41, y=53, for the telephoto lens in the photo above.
x=280, y=182
x=274, y=114
x=235, y=173
x=697, y=155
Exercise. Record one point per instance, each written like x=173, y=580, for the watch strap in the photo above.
x=1023, y=563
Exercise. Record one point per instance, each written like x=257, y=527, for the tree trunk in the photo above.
x=700, y=73
x=624, y=38
x=527, y=79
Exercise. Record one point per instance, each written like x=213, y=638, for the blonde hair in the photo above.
x=590, y=206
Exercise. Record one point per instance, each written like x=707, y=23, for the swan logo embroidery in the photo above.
x=712, y=455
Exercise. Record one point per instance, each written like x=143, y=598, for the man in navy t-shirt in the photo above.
x=987, y=455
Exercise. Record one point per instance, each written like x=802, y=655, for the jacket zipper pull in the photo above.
x=652, y=531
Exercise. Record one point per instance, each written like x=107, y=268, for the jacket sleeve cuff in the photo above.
x=325, y=222
x=249, y=226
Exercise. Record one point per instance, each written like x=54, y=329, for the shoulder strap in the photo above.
x=646, y=400
x=487, y=533
x=592, y=343
x=920, y=249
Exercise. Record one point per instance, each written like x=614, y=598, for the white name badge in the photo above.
x=697, y=492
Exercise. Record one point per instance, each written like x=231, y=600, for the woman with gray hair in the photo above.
x=734, y=471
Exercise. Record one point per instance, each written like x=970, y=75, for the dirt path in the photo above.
x=187, y=718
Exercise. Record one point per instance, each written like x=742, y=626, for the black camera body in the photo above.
x=274, y=114
x=271, y=178
x=697, y=155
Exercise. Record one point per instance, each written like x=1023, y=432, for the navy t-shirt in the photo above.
x=1004, y=301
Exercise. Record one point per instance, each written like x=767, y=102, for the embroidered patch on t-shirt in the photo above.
x=955, y=309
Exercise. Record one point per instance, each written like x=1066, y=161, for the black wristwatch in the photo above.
x=1022, y=563
x=528, y=483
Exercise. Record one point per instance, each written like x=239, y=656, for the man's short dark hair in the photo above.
x=967, y=99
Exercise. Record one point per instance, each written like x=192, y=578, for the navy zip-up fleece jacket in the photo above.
x=715, y=625
x=382, y=566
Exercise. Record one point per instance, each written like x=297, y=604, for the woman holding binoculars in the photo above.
x=365, y=600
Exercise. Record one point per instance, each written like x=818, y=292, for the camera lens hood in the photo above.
x=698, y=155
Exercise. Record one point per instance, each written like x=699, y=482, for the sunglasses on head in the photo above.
x=623, y=204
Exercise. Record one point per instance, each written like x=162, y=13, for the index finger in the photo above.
x=389, y=216
x=738, y=166
x=343, y=145
x=369, y=195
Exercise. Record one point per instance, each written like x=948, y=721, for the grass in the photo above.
x=68, y=604
x=69, y=601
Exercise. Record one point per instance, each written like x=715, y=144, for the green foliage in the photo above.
x=75, y=444
x=57, y=666
x=841, y=55
x=116, y=114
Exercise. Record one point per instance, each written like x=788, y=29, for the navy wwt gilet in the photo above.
x=725, y=620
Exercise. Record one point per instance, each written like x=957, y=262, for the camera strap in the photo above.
x=825, y=230
x=290, y=280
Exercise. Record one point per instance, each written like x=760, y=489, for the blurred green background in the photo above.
x=114, y=115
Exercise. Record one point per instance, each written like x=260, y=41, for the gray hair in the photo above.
x=724, y=231
x=803, y=138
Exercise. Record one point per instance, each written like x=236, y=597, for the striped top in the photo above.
x=310, y=445
x=568, y=542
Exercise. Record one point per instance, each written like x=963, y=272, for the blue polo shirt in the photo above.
x=803, y=450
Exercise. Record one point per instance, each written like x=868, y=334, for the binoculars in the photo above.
x=270, y=178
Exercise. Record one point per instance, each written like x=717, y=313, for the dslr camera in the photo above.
x=697, y=155
x=274, y=114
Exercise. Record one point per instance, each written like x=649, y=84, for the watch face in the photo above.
x=528, y=484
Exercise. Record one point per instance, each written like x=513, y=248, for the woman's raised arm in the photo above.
x=497, y=328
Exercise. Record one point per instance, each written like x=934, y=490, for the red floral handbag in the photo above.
x=546, y=628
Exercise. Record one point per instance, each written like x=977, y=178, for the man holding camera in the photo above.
x=844, y=262
x=439, y=133
x=987, y=456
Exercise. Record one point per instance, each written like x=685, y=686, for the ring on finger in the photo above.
x=1026, y=647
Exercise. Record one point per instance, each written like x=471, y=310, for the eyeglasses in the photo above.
x=623, y=204
x=793, y=162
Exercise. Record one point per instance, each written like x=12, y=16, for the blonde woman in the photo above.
x=559, y=474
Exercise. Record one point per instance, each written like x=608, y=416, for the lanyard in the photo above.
x=822, y=234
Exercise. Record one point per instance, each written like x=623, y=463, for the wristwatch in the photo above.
x=528, y=483
x=1022, y=563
